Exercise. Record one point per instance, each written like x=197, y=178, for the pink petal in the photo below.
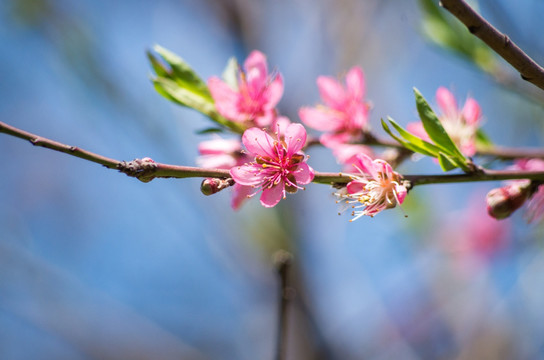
x=270, y=197
x=226, y=99
x=401, y=193
x=256, y=59
x=256, y=72
x=355, y=186
x=446, y=101
x=332, y=141
x=274, y=92
x=304, y=174
x=240, y=195
x=282, y=121
x=471, y=112
x=468, y=147
x=295, y=138
x=219, y=146
x=345, y=153
x=265, y=120
x=366, y=165
x=355, y=83
x=332, y=92
x=321, y=119
x=259, y=142
x=216, y=161
x=358, y=117
x=417, y=129
x=246, y=175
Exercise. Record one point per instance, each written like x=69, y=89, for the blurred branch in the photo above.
x=499, y=42
x=282, y=262
x=497, y=152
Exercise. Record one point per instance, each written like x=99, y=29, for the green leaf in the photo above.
x=482, y=140
x=182, y=73
x=230, y=74
x=210, y=131
x=432, y=149
x=446, y=162
x=160, y=69
x=434, y=127
x=410, y=146
x=183, y=96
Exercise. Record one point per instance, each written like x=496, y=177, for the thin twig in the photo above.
x=499, y=42
x=282, y=263
x=146, y=169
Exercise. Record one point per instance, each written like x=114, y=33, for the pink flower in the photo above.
x=346, y=154
x=220, y=153
x=225, y=154
x=344, y=117
x=461, y=125
x=472, y=237
x=279, y=165
x=376, y=189
x=256, y=96
x=535, y=206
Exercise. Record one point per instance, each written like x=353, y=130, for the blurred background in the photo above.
x=96, y=265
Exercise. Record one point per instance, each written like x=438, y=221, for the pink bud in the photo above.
x=212, y=186
x=502, y=202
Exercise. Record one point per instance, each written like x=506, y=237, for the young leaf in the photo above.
x=210, y=131
x=160, y=69
x=410, y=146
x=230, y=74
x=172, y=91
x=434, y=128
x=446, y=162
x=482, y=140
x=415, y=139
x=183, y=74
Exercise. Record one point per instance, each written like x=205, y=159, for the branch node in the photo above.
x=142, y=169
x=506, y=40
x=473, y=29
x=73, y=148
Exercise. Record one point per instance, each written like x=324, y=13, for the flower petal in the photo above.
x=401, y=193
x=331, y=91
x=355, y=83
x=304, y=174
x=216, y=161
x=417, y=129
x=321, y=119
x=274, y=92
x=271, y=196
x=240, y=195
x=259, y=142
x=471, y=112
x=246, y=174
x=446, y=101
x=355, y=186
x=226, y=99
x=219, y=146
x=366, y=165
x=295, y=138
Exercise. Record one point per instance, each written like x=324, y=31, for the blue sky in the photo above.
x=97, y=265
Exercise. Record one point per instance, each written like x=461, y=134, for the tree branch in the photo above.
x=282, y=263
x=499, y=42
x=146, y=169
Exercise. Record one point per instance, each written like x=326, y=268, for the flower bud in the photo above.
x=502, y=202
x=212, y=186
